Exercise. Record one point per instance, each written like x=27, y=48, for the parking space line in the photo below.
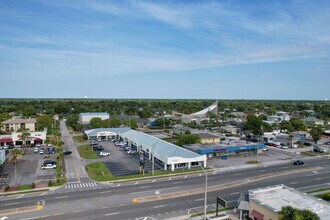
x=154, y=180
x=114, y=213
x=136, y=182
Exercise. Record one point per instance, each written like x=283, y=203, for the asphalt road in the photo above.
x=115, y=200
x=75, y=170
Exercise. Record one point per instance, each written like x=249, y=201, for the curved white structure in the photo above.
x=211, y=108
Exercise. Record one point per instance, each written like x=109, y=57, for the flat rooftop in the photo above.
x=224, y=144
x=276, y=197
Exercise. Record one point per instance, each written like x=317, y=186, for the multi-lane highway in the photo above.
x=163, y=198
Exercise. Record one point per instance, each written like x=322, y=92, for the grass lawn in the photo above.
x=99, y=172
x=325, y=196
x=86, y=151
x=318, y=190
x=79, y=139
x=25, y=187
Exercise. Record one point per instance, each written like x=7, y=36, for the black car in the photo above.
x=298, y=162
x=67, y=152
x=10, y=146
x=53, y=151
x=52, y=162
x=47, y=150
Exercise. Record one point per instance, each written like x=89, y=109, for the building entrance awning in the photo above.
x=6, y=140
x=257, y=214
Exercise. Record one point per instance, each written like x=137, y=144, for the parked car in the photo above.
x=298, y=162
x=99, y=147
x=49, y=145
x=10, y=147
x=132, y=152
x=38, y=145
x=99, y=140
x=50, y=162
x=67, y=152
x=265, y=149
x=48, y=166
x=47, y=150
x=53, y=151
x=36, y=150
x=284, y=147
x=104, y=154
x=41, y=151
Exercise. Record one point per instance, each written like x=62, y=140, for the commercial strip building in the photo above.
x=229, y=148
x=85, y=118
x=207, y=138
x=14, y=124
x=265, y=203
x=15, y=138
x=166, y=155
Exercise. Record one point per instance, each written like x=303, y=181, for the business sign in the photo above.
x=221, y=202
x=141, y=158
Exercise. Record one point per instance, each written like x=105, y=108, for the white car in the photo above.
x=36, y=150
x=49, y=145
x=284, y=147
x=48, y=166
x=104, y=153
x=265, y=149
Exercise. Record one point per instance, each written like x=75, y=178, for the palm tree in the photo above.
x=24, y=136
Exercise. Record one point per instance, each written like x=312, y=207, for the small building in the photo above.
x=228, y=148
x=229, y=129
x=85, y=118
x=207, y=138
x=14, y=124
x=266, y=203
x=311, y=121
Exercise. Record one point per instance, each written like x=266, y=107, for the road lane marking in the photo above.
x=122, y=205
x=234, y=193
x=77, y=211
x=61, y=197
x=143, y=187
x=44, y=216
x=118, y=184
x=237, y=174
x=57, y=214
x=31, y=218
x=293, y=183
x=262, y=171
x=104, y=207
x=202, y=199
x=158, y=190
x=114, y=213
x=20, y=196
x=319, y=178
x=43, y=193
x=13, y=203
x=136, y=182
x=177, y=182
x=154, y=180
x=185, y=176
x=170, y=178
x=199, y=174
x=158, y=206
x=105, y=192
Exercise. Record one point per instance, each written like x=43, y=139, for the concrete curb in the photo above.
x=31, y=190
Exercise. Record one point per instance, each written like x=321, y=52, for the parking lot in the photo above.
x=120, y=163
x=29, y=169
x=272, y=156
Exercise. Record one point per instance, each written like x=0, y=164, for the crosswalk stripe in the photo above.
x=80, y=185
x=83, y=184
x=66, y=186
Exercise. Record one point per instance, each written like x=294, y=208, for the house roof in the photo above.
x=19, y=121
x=94, y=113
x=207, y=135
x=312, y=119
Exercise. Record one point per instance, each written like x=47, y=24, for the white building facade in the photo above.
x=85, y=118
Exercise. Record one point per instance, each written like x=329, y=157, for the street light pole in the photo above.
x=205, y=196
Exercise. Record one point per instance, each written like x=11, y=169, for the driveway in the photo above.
x=74, y=167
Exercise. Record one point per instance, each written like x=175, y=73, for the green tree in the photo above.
x=15, y=156
x=96, y=122
x=187, y=138
x=115, y=122
x=44, y=121
x=132, y=123
x=255, y=124
x=316, y=133
x=29, y=111
x=297, y=124
x=290, y=213
x=4, y=116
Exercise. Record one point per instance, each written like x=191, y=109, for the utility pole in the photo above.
x=205, y=196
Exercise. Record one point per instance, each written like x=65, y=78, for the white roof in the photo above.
x=206, y=110
x=276, y=197
x=94, y=132
x=162, y=149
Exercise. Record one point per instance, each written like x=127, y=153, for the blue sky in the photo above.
x=165, y=49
